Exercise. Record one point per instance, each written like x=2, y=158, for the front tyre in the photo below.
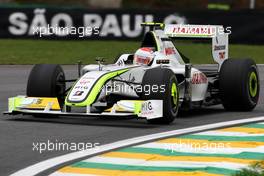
x=168, y=91
x=239, y=84
x=47, y=80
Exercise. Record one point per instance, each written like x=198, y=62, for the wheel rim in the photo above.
x=253, y=84
x=174, y=96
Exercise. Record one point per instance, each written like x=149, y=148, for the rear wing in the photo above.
x=215, y=32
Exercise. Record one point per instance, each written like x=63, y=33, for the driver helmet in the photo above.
x=144, y=56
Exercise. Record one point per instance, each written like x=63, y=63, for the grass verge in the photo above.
x=69, y=52
x=257, y=169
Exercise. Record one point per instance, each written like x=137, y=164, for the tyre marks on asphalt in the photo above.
x=209, y=153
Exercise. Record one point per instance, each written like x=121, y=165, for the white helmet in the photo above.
x=144, y=56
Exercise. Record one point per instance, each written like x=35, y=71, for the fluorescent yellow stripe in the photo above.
x=130, y=173
x=155, y=157
x=244, y=130
x=200, y=143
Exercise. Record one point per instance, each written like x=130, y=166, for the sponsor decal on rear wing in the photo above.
x=196, y=31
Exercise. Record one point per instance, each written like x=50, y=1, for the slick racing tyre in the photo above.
x=239, y=84
x=47, y=80
x=162, y=77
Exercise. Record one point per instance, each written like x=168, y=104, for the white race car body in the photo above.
x=122, y=78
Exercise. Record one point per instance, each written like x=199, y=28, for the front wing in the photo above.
x=149, y=109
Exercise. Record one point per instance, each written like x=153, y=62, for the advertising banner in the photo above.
x=85, y=24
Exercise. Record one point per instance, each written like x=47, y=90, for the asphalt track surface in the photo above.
x=18, y=133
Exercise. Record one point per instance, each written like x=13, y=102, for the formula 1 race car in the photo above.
x=153, y=83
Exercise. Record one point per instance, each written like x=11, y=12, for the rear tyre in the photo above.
x=47, y=80
x=239, y=84
x=166, y=80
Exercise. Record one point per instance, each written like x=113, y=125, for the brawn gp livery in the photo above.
x=154, y=83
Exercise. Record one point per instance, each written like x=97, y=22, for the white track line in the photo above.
x=48, y=164
x=228, y=133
